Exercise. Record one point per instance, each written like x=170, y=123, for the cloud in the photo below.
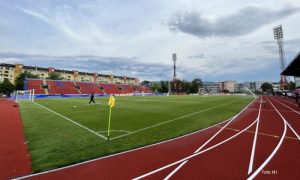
x=208, y=68
x=120, y=66
x=58, y=22
x=199, y=56
x=243, y=22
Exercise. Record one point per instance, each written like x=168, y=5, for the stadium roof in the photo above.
x=293, y=69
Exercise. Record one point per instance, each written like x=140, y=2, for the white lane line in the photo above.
x=287, y=106
x=203, y=145
x=258, y=170
x=250, y=168
x=193, y=155
x=290, y=102
x=165, y=122
x=288, y=111
x=68, y=119
x=296, y=134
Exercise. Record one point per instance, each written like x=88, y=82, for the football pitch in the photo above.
x=64, y=131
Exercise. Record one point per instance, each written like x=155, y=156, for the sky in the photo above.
x=214, y=40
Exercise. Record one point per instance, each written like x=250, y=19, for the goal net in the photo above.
x=24, y=95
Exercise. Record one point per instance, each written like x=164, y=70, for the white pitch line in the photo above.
x=91, y=131
x=258, y=170
x=193, y=155
x=115, y=131
x=203, y=145
x=296, y=134
x=250, y=168
x=165, y=122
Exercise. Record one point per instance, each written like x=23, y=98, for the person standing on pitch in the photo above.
x=92, y=99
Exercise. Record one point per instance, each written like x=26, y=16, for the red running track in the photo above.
x=14, y=157
x=264, y=136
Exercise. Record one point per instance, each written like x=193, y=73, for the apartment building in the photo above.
x=12, y=71
x=227, y=85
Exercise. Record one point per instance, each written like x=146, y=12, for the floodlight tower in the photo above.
x=174, y=67
x=278, y=35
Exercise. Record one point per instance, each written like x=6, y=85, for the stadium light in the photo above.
x=174, y=58
x=278, y=34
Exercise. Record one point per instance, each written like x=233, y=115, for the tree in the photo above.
x=19, y=82
x=6, y=87
x=291, y=85
x=164, y=86
x=155, y=87
x=266, y=87
x=55, y=76
x=186, y=86
x=195, y=85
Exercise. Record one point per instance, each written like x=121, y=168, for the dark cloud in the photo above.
x=244, y=21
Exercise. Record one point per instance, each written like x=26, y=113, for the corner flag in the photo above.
x=111, y=103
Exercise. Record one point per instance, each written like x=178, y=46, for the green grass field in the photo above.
x=136, y=121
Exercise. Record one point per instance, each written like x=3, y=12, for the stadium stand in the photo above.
x=37, y=85
x=145, y=89
x=89, y=87
x=110, y=88
x=61, y=87
x=71, y=87
x=126, y=89
x=142, y=89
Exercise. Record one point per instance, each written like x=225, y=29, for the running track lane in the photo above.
x=14, y=157
x=286, y=162
x=134, y=163
x=227, y=161
x=271, y=125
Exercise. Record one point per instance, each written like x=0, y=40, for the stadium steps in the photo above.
x=76, y=85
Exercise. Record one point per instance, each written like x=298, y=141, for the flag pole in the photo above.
x=109, y=117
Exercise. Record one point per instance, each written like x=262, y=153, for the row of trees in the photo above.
x=267, y=87
x=6, y=87
x=186, y=86
x=193, y=86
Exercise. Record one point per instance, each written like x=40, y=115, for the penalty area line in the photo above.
x=70, y=120
x=124, y=131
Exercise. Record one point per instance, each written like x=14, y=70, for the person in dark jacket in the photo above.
x=92, y=99
x=297, y=99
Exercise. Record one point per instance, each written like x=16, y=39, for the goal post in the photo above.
x=24, y=95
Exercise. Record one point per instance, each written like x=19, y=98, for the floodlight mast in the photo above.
x=278, y=35
x=174, y=67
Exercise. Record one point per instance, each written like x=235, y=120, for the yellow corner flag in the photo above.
x=111, y=103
